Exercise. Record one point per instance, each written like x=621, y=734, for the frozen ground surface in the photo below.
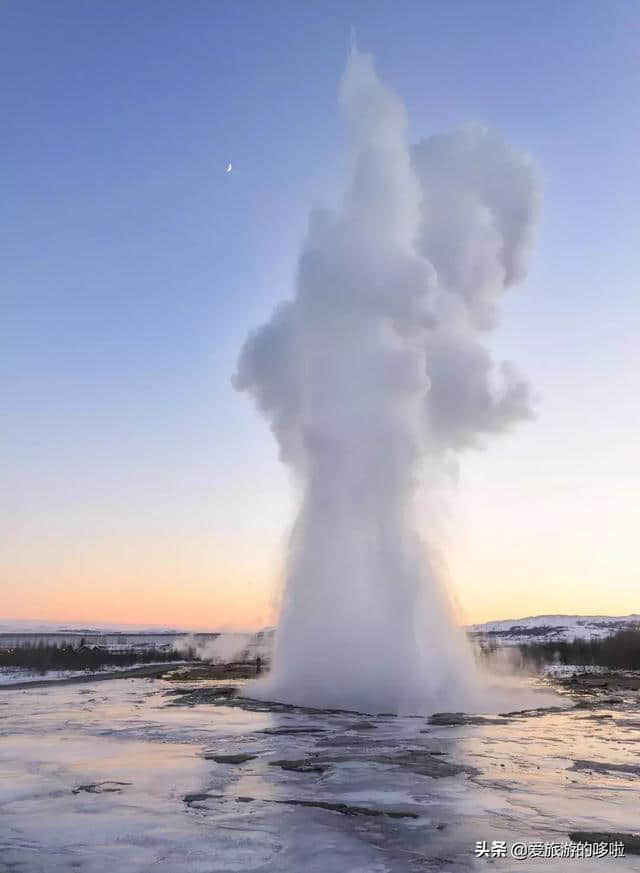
x=123, y=777
x=20, y=675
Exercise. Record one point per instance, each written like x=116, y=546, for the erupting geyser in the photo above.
x=374, y=368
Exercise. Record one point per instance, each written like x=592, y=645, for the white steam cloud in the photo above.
x=377, y=364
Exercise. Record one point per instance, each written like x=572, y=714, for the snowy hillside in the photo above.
x=547, y=628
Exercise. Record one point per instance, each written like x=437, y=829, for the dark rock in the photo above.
x=303, y=765
x=533, y=713
x=597, y=716
x=347, y=809
x=198, y=797
x=425, y=764
x=448, y=718
x=340, y=741
x=441, y=719
x=290, y=731
x=230, y=759
x=211, y=694
x=605, y=767
x=107, y=787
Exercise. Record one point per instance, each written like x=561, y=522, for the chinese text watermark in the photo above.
x=522, y=851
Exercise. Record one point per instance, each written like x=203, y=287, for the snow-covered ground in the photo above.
x=55, y=627
x=562, y=671
x=235, y=645
x=19, y=675
x=229, y=645
x=546, y=628
x=15, y=675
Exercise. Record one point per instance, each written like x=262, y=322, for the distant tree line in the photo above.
x=50, y=656
x=620, y=651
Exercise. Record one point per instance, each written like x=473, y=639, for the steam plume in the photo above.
x=377, y=364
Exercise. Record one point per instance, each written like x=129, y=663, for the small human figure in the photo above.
x=258, y=664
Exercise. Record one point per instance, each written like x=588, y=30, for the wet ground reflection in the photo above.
x=134, y=775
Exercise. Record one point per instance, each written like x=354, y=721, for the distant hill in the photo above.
x=512, y=631
x=547, y=628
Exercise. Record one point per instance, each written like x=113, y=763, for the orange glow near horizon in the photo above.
x=246, y=607
x=244, y=598
x=509, y=555
x=198, y=595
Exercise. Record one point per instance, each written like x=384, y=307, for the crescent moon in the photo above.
x=229, y=168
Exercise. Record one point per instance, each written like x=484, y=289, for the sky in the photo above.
x=136, y=485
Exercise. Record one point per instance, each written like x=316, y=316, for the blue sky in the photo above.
x=133, y=267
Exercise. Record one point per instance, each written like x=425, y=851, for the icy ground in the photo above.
x=20, y=675
x=128, y=776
